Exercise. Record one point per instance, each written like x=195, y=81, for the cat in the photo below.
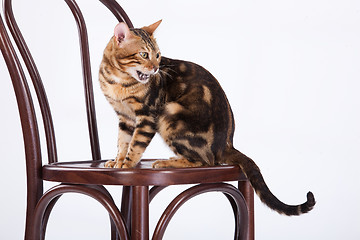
x=182, y=102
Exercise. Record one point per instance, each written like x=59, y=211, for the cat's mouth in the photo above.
x=142, y=76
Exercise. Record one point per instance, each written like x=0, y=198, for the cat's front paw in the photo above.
x=128, y=164
x=110, y=164
x=117, y=163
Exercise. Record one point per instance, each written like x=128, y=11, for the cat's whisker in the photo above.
x=168, y=67
x=164, y=73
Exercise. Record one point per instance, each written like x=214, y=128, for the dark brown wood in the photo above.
x=91, y=191
x=89, y=172
x=140, y=213
x=28, y=125
x=126, y=205
x=118, y=12
x=248, y=193
x=88, y=177
x=227, y=189
x=154, y=191
x=36, y=80
x=88, y=86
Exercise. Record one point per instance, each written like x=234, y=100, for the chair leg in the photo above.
x=154, y=191
x=140, y=213
x=248, y=193
x=236, y=212
x=95, y=193
x=229, y=190
x=47, y=215
x=126, y=206
x=114, y=235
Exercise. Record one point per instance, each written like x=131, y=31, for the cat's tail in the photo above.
x=256, y=179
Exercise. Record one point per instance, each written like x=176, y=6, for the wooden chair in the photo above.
x=89, y=177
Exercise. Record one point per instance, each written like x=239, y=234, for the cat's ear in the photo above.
x=151, y=28
x=121, y=32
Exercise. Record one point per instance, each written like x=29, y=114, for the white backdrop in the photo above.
x=290, y=70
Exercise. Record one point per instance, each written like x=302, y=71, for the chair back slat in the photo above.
x=121, y=16
x=88, y=86
x=28, y=122
x=25, y=101
x=36, y=79
x=118, y=11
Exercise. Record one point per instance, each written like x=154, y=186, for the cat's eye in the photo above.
x=157, y=55
x=144, y=55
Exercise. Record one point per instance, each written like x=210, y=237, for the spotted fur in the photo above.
x=182, y=102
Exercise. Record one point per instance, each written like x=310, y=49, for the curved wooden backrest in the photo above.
x=25, y=100
x=120, y=14
x=28, y=121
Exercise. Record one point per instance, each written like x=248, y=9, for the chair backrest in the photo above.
x=119, y=13
x=25, y=101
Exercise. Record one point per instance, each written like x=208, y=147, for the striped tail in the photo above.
x=256, y=179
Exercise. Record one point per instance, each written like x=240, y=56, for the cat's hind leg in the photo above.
x=191, y=143
x=187, y=154
x=176, y=162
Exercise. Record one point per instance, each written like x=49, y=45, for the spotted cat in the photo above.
x=182, y=102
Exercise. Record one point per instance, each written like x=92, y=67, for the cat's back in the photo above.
x=196, y=98
x=184, y=77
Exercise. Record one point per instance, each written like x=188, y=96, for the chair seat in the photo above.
x=94, y=172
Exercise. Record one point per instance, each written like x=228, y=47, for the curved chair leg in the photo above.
x=53, y=202
x=114, y=235
x=46, y=216
x=227, y=189
x=248, y=193
x=43, y=209
x=126, y=205
x=154, y=191
x=235, y=211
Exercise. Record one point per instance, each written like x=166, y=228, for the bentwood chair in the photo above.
x=140, y=185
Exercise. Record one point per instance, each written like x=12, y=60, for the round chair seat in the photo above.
x=94, y=172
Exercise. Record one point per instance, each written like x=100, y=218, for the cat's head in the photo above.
x=136, y=50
